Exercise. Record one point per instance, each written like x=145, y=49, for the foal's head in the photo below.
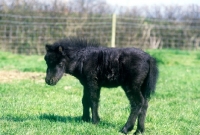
x=56, y=64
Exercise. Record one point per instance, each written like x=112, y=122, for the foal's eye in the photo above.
x=61, y=64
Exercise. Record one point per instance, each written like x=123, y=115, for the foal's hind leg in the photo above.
x=136, y=101
x=94, y=97
x=141, y=118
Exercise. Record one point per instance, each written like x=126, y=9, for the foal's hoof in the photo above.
x=96, y=121
x=137, y=133
x=124, y=130
x=86, y=119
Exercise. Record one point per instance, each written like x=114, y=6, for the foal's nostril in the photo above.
x=51, y=81
x=48, y=81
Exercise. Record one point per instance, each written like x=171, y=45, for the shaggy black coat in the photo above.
x=95, y=67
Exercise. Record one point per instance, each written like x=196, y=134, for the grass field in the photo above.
x=30, y=107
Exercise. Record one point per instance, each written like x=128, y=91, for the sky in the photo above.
x=129, y=3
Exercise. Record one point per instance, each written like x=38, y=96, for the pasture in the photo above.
x=29, y=106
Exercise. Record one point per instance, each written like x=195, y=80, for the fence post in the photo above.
x=113, y=30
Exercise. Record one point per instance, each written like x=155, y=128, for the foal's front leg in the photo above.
x=94, y=98
x=91, y=99
x=86, y=105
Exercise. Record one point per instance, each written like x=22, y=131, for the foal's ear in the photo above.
x=61, y=50
x=48, y=47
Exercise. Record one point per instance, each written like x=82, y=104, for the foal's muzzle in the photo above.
x=51, y=81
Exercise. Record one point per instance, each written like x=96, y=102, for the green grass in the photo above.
x=31, y=107
x=22, y=62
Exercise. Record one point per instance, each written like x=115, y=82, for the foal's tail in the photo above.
x=149, y=84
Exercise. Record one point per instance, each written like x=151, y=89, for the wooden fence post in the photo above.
x=113, y=30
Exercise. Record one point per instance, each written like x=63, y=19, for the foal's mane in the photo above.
x=75, y=42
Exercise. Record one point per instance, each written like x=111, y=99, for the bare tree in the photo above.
x=191, y=12
x=172, y=12
x=89, y=6
x=133, y=11
x=3, y=6
x=154, y=12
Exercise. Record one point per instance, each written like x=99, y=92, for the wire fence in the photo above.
x=29, y=34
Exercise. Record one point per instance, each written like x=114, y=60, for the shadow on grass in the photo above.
x=57, y=118
x=50, y=117
x=15, y=118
